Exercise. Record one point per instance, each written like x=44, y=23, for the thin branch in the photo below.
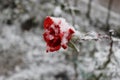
x=110, y=52
x=105, y=64
x=108, y=14
x=89, y=9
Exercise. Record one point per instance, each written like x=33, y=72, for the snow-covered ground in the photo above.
x=23, y=53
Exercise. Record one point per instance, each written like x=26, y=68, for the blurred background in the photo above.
x=23, y=51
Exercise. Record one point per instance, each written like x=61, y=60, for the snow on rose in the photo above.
x=57, y=33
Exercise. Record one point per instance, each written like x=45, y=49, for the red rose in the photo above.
x=57, y=33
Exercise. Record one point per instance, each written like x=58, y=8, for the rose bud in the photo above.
x=57, y=33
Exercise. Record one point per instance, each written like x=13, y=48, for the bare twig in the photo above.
x=73, y=16
x=110, y=52
x=89, y=9
x=76, y=3
x=105, y=64
x=108, y=14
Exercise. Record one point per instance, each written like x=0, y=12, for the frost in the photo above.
x=64, y=27
x=64, y=40
x=23, y=55
x=117, y=53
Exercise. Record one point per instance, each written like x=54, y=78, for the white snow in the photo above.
x=64, y=27
x=39, y=65
x=57, y=11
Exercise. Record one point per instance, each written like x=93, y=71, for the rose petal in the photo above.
x=48, y=22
